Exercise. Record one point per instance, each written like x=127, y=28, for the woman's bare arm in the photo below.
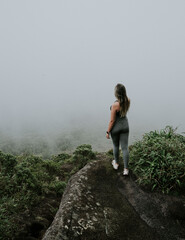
x=113, y=116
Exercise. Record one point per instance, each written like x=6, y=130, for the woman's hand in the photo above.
x=107, y=136
x=114, y=109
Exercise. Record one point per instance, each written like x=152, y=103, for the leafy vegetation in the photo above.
x=26, y=181
x=83, y=154
x=158, y=161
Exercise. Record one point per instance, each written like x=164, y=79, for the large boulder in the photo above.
x=93, y=208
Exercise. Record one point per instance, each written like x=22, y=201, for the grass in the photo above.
x=158, y=161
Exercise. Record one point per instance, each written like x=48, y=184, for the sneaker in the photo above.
x=114, y=164
x=125, y=172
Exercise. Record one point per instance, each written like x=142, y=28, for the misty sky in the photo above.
x=60, y=61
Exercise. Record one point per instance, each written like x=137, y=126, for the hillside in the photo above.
x=31, y=187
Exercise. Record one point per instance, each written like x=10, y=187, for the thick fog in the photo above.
x=60, y=61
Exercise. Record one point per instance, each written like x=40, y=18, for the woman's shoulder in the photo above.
x=116, y=104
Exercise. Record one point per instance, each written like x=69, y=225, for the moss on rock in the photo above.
x=93, y=208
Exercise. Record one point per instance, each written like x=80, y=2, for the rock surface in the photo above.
x=164, y=213
x=92, y=207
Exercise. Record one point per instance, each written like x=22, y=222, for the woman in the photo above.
x=119, y=128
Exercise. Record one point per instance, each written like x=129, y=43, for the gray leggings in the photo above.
x=120, y=134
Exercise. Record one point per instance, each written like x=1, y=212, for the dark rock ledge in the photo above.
x=92, y=207
x=165, y=213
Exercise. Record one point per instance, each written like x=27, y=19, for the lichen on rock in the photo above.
x=93, y=208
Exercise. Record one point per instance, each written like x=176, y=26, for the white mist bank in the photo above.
x=60, y=64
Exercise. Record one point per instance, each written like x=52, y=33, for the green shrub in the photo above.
x=158, y=160
x=62, y=157
x=7, y=163
x=58, y=187
x=26, y=179
x=83, y=154
x=6, y=226
x=52, y=167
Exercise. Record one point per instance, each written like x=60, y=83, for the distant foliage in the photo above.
x=32, y=145
x=158, y=161
x=62, y=144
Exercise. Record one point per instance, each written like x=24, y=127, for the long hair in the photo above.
x=121, y=95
